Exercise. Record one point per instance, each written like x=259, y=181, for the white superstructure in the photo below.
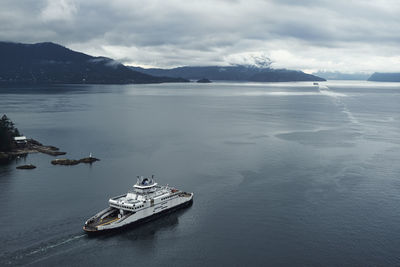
x=145, y=200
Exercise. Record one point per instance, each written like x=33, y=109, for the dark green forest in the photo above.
x=7, y=133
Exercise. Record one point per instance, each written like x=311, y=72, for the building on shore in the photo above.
x=20, y=141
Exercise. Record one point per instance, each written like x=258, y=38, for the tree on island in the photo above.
x=7, y=134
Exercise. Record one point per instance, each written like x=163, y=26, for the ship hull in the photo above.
x=139, y=221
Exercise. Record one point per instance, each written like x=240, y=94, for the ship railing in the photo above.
x=117, y=206
x=114, y=198
x=185, y=194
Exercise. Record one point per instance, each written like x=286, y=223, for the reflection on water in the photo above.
x=6, y=169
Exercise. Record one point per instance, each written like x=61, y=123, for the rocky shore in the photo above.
x=31, y=146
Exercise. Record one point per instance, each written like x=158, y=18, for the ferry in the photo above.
x=146, y=200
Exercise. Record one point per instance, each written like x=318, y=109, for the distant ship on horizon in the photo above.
x=146, y=200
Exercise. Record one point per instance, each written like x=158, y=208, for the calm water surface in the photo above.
x=283, y=174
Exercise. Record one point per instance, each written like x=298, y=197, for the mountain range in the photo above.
x=336, y=75
x=232, y=73
x=385, y=77
x=45, y=63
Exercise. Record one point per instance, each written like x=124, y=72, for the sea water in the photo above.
x=283, y=173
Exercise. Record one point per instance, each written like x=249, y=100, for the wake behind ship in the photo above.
x=147, y=199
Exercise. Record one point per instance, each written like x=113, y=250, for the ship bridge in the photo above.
x=145, y=184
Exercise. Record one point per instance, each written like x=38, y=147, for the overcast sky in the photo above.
x=310, y=35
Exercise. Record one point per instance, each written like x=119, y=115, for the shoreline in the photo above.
x=31, y=146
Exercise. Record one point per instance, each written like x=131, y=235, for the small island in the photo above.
x=26, y=167
x=70, y=162
x=204, y=80
x=14, y=145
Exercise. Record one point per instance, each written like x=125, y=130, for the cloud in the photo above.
x=308, y=35
x=59, y=10
x=259, y=59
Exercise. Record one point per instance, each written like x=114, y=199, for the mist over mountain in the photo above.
x=335, y=75
x=385, y=77
x=250, y=73
x=53, y=63
x=48, y=62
